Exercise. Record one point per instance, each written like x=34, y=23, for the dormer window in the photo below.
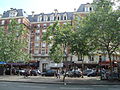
x=58, y=17
x=40, y=18
x=90, y=8
x=45, y=18
x=86, y=9
x=65, y=17
x=13, y=14
x=52, y=18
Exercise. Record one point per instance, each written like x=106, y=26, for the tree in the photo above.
x=13, y=43
x=102, y=26
x=56, y=53
x=59, y=36
x=81, y=45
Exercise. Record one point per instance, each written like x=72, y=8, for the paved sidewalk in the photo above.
x=54, y=80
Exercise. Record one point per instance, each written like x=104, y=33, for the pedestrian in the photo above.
x=27, y=73
x=58, y=74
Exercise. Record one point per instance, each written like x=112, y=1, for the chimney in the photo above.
x=33, y=13
x=74, y=9
x=56, y=11
x=11, y=8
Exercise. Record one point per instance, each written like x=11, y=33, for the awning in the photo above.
x=1, y=62
x=16, y=64
x=107, y=63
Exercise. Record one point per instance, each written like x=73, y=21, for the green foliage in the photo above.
x=56, y=53
x=103, y=26
x=60, y=37
x=99, y=30
x=13, y=43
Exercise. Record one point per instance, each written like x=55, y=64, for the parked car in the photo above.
x=35, y=72
x=92, y=73
x=74, y=73
x=49, y=73
x=21, y=72
x=85, y=72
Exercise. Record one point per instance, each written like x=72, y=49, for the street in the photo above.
x=33, y=86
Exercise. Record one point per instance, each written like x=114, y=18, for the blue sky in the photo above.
x=39, y=6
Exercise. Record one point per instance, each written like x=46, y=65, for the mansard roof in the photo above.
x=82, y=7
x=20, y=12
x=34, y=18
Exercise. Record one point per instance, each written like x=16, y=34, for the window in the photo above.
x=12, y=14
x=3, y=22
x=65, y=17
x=43, y=52
x=87, y=9
x=19, y=20
x=48, y=18
x=38, y=25
x=58, y=17
x=37, y=38
x=45, y=18
x=40, y=18
x=91, y=58
x=43, y=45
x=36, y=44
x=52, y=18
x=90, y=8
x=44, y=30
x=36, y=51
x=64, y=23
x=37, y=31
x=44, y=25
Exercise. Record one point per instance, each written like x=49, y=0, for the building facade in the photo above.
x=37, y=24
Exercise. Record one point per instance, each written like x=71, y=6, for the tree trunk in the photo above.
x=78, y=57
x=82, y=58
x=111, y=69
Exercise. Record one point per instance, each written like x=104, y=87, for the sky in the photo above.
x=41, y=6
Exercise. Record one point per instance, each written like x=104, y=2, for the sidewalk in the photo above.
x=54, y=80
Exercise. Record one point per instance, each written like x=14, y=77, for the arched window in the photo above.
x=90, y=8
x=58, y=17
x=65, y=17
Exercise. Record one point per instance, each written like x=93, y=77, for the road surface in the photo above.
x=34, y=86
